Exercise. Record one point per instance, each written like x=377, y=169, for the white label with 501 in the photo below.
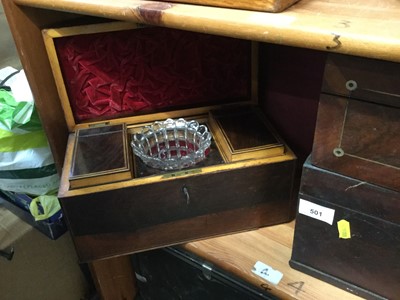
x=316, y=211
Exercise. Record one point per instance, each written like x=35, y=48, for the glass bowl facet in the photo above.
x=172, y=144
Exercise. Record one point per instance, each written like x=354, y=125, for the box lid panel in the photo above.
x=115, y=74
x=362, y=78
x=244, y=128
x=358, y=139
x=99, y=150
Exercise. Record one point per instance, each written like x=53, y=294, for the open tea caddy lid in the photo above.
x=127, y=75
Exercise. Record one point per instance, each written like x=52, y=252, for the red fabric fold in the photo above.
x=150, y=69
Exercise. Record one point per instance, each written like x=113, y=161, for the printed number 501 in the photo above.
x=315, y=212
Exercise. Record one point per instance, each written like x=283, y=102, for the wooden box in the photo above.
x=244, y=133
x=273, y=6
x=365, y=259
x=358, y=123
x=100, y=155
x=122, y=73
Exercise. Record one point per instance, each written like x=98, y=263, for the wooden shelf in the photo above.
x=237, y=254
x=369, y=28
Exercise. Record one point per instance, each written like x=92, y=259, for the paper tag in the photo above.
x=344, y=229
x=267, y=272
x=316, y=211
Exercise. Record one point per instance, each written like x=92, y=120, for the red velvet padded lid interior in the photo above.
x=131, y=72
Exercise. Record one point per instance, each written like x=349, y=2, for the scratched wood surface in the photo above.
x=259, y=5
x=237, y=254
x=367, y=28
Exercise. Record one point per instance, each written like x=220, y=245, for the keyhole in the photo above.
x=186, y=193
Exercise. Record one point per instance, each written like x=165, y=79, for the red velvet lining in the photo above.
x=151, y=69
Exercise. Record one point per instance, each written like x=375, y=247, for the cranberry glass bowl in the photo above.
x=172, y=144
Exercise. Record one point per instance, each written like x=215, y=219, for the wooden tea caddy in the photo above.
x=154, y=208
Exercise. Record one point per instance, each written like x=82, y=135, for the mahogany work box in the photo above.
x=116, y=78
x=361, y=256
x=347, y=225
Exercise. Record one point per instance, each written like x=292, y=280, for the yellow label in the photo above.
x=344, y=229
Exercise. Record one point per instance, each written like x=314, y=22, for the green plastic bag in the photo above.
x=26, y=162
x=15, y=114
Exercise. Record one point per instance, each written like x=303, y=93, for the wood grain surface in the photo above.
x=365, y=28
x=367, y=261
x=367, y=135
x=114, y=278
x=259, y=5
x=358, y=120
x=237, y=254
x=127, y=220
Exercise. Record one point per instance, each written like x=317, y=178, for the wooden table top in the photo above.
x=238, y=253
x=369, y=28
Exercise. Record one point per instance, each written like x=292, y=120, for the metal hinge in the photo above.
x=99, y=124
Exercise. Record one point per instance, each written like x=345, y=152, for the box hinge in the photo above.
x=99, y=124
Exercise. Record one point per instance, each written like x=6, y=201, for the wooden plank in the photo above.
x=369, y=28
x=260, y=5
x=237, y=254
x=114, y=278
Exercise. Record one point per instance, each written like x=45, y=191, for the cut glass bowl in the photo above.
x=172, y=144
